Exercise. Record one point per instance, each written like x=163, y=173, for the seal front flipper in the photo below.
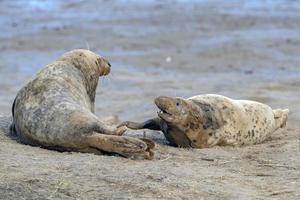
x=108, y=130
x=152, y=124
x=126, y=146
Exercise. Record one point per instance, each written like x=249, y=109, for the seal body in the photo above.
x=234, y=122
x=208, y=120
x=56, y=108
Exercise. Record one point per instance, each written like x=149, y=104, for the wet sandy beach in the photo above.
x=241, y=49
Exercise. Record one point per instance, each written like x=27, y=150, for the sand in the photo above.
x=241, y=49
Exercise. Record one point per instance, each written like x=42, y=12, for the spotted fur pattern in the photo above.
x=233, y=122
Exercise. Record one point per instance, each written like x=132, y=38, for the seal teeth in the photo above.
x=162, y=111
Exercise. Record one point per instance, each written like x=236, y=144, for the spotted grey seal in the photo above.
x=207, y=120
x=55, y=109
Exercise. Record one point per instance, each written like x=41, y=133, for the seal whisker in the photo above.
x=87, y=45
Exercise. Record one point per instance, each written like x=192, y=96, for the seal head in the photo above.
x=87, y=61
x=185, y=116
x=173, y=110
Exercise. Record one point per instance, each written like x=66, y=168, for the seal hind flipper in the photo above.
x=280, y=116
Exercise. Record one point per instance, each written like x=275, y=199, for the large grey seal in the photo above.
x=56, y=109
x=207, y=120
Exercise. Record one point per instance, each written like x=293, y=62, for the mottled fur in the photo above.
x=208, y=120
x=56, y=109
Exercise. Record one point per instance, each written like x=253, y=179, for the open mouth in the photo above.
x=163, y=111
x=164, y=114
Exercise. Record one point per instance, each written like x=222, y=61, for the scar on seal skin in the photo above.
x=208, y=120
x=55, y=110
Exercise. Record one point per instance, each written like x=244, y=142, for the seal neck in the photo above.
x=89, y=72
x=90, y=76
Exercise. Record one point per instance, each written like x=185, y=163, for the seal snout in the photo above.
x=165, y=105
x=162, y=102
x=106, y=71
x=107, y=66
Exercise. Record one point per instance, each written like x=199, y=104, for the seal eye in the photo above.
x=177, y=104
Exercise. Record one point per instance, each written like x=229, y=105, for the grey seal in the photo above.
x=207, y=120
x=55, y=110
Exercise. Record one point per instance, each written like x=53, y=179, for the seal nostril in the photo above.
x=109, y=64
